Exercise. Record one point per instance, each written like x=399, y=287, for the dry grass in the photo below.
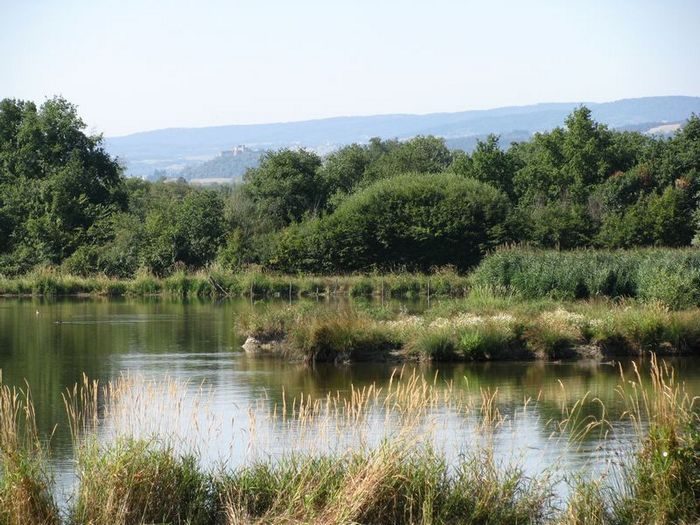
x=662, y=485
x=371, y=455
x=25, y=483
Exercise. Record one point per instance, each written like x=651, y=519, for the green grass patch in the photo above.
x=140, y=481
x=671, y=276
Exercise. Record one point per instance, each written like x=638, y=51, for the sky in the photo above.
x=136, y=65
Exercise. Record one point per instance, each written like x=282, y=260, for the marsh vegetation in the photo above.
x=482, y=326
x=406, y=474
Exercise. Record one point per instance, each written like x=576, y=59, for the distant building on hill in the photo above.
x=234, y=151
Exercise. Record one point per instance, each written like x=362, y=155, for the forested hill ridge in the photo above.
x=383, y=205
x=173, y=149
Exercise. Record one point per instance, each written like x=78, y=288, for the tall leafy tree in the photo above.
x=488, y=163
x=287, y=185
x=55, y=180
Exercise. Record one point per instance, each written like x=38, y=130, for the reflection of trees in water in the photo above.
x=52, y=349
x=194, y=340
x=548, y=389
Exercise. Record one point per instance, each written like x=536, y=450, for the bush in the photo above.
x=333, y=337
x=408, y=221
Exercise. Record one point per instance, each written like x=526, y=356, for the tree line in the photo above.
x=384, y=205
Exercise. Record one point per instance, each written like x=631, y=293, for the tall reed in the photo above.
x=25, y=483
x=662, y=484
x=403, y=478
x=671, y=276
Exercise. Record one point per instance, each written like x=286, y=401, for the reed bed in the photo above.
x=25, y=481
x=215, y=283
x=403, y=474
x=670, y=276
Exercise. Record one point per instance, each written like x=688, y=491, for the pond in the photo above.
x=187, y=376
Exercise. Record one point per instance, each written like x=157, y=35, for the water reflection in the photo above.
x=210, y=390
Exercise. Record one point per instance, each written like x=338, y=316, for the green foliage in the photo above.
x=669, y=276
x=55, y=182
x=141, y=482
x=287, y=185
x=344, y=170
x=418, y=155
x=384, y=205
x=655, y=219
x=488, y=163
x=558, y=224
x=413, y=221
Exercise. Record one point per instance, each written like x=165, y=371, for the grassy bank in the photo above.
x=403, y=479
x=218, y=283
x=668, y=276
x=482, y=326
x=671, y=276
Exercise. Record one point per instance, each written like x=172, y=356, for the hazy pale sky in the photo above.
x=133, y=65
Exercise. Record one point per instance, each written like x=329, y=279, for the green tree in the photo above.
x=656, y=219
x=55, y=181
x=488, y=163
x=189, y=231
x=200, y=228
x=418, y=155
x=557, y=224
x=344, y=170
x=287, y=185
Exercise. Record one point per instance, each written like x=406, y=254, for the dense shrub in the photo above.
x=385, y=205
x=412, y=221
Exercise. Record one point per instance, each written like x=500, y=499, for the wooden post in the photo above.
x=428, y=291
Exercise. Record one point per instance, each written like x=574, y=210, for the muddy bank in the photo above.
x=281, y=348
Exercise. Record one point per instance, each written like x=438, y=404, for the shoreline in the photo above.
x=217, y=284
x=280, y=349
x=478, y=328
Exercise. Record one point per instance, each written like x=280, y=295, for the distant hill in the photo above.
x=178, y=149
x=227, y=165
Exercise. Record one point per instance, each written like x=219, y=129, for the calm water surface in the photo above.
x=190, y=378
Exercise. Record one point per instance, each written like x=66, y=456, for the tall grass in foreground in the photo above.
x=401, y=479
x=25, y=483
x=140, y=481
x=659, y=482
x=399, y=482
x=663, y=484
